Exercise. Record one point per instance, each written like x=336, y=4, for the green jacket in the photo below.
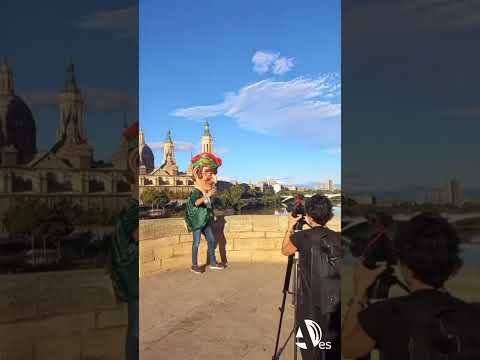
x=124, y=272
x=197, y=217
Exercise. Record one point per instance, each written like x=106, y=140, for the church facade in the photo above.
x=168, y=176
x=68, y=169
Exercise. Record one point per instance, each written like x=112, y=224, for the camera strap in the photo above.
x=374, y=240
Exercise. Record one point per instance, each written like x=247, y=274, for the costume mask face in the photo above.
x=207, y=178
x=131, y=136
x=205, y=167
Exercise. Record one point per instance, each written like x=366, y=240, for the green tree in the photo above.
x=155, y=197
x=31, y=212
x=161, y=198
x=233, y=196
x=41, y=224
x=271, y=200
x=148, y=195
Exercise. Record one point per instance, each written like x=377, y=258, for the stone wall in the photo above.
x=166, y=244
x=60, y=316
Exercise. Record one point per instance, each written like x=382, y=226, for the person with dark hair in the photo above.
x=428, y=255
x=319, y=285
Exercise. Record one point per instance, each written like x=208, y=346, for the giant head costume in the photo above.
x=131, y=136
x=204, y=168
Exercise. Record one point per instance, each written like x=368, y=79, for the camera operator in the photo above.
x=428, y=255
x=318, y=211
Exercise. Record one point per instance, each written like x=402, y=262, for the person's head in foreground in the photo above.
x=204, y=168
x=318, y=210
x=428, y=251
x=428, y=254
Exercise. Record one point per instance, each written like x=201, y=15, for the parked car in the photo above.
x=157, y=213
x=143, y=212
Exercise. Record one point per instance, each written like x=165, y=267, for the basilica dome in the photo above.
x=146, y=157
x=17, y=126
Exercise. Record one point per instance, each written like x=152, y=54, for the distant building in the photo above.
x=331, y=186
x=452, y=193
x=449, y=194
x=421, y=197
x=321, y=186
x=265, y=187
x=277, y=187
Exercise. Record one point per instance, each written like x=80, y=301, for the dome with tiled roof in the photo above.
x=17, y=125
x=146, y=157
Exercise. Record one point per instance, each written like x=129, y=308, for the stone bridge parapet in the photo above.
x=166, y=243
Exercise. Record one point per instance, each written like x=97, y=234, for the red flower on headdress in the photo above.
x=131, y=135
x=132, y=131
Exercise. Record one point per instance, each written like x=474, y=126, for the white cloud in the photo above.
x=299, y=107
x=221, y=151
x=121, y=22
x=184, y=146
x=262, y=61
x=98, y=100
x=265, y=61
x=282, y=65
x=179, y=145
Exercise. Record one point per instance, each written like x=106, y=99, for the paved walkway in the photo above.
x=228, y=314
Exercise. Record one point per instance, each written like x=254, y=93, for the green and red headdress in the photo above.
x=206, y=159
x=131, y=135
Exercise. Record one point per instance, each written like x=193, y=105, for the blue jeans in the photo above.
x=132, y=343
x=212, y=244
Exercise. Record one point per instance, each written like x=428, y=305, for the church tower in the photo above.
x=169, y=149
x=72, y=108
x=72, y=143
x=207, y=139
x=169, y=165
x=6, y=79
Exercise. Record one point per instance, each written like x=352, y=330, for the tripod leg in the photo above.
x=282, y=309
x=295, y=299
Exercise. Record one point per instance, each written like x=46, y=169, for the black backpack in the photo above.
x=444, y=332
x=325, y=272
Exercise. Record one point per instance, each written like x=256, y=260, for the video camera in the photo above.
x=380, y=245
x=298, y=208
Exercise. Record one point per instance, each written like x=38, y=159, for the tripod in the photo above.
x=291, y=265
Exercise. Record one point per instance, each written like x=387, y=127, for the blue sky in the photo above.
x=265, y=74
x=101, y=38
x=410, y=96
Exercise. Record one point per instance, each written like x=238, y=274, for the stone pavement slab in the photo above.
x=224, y=314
